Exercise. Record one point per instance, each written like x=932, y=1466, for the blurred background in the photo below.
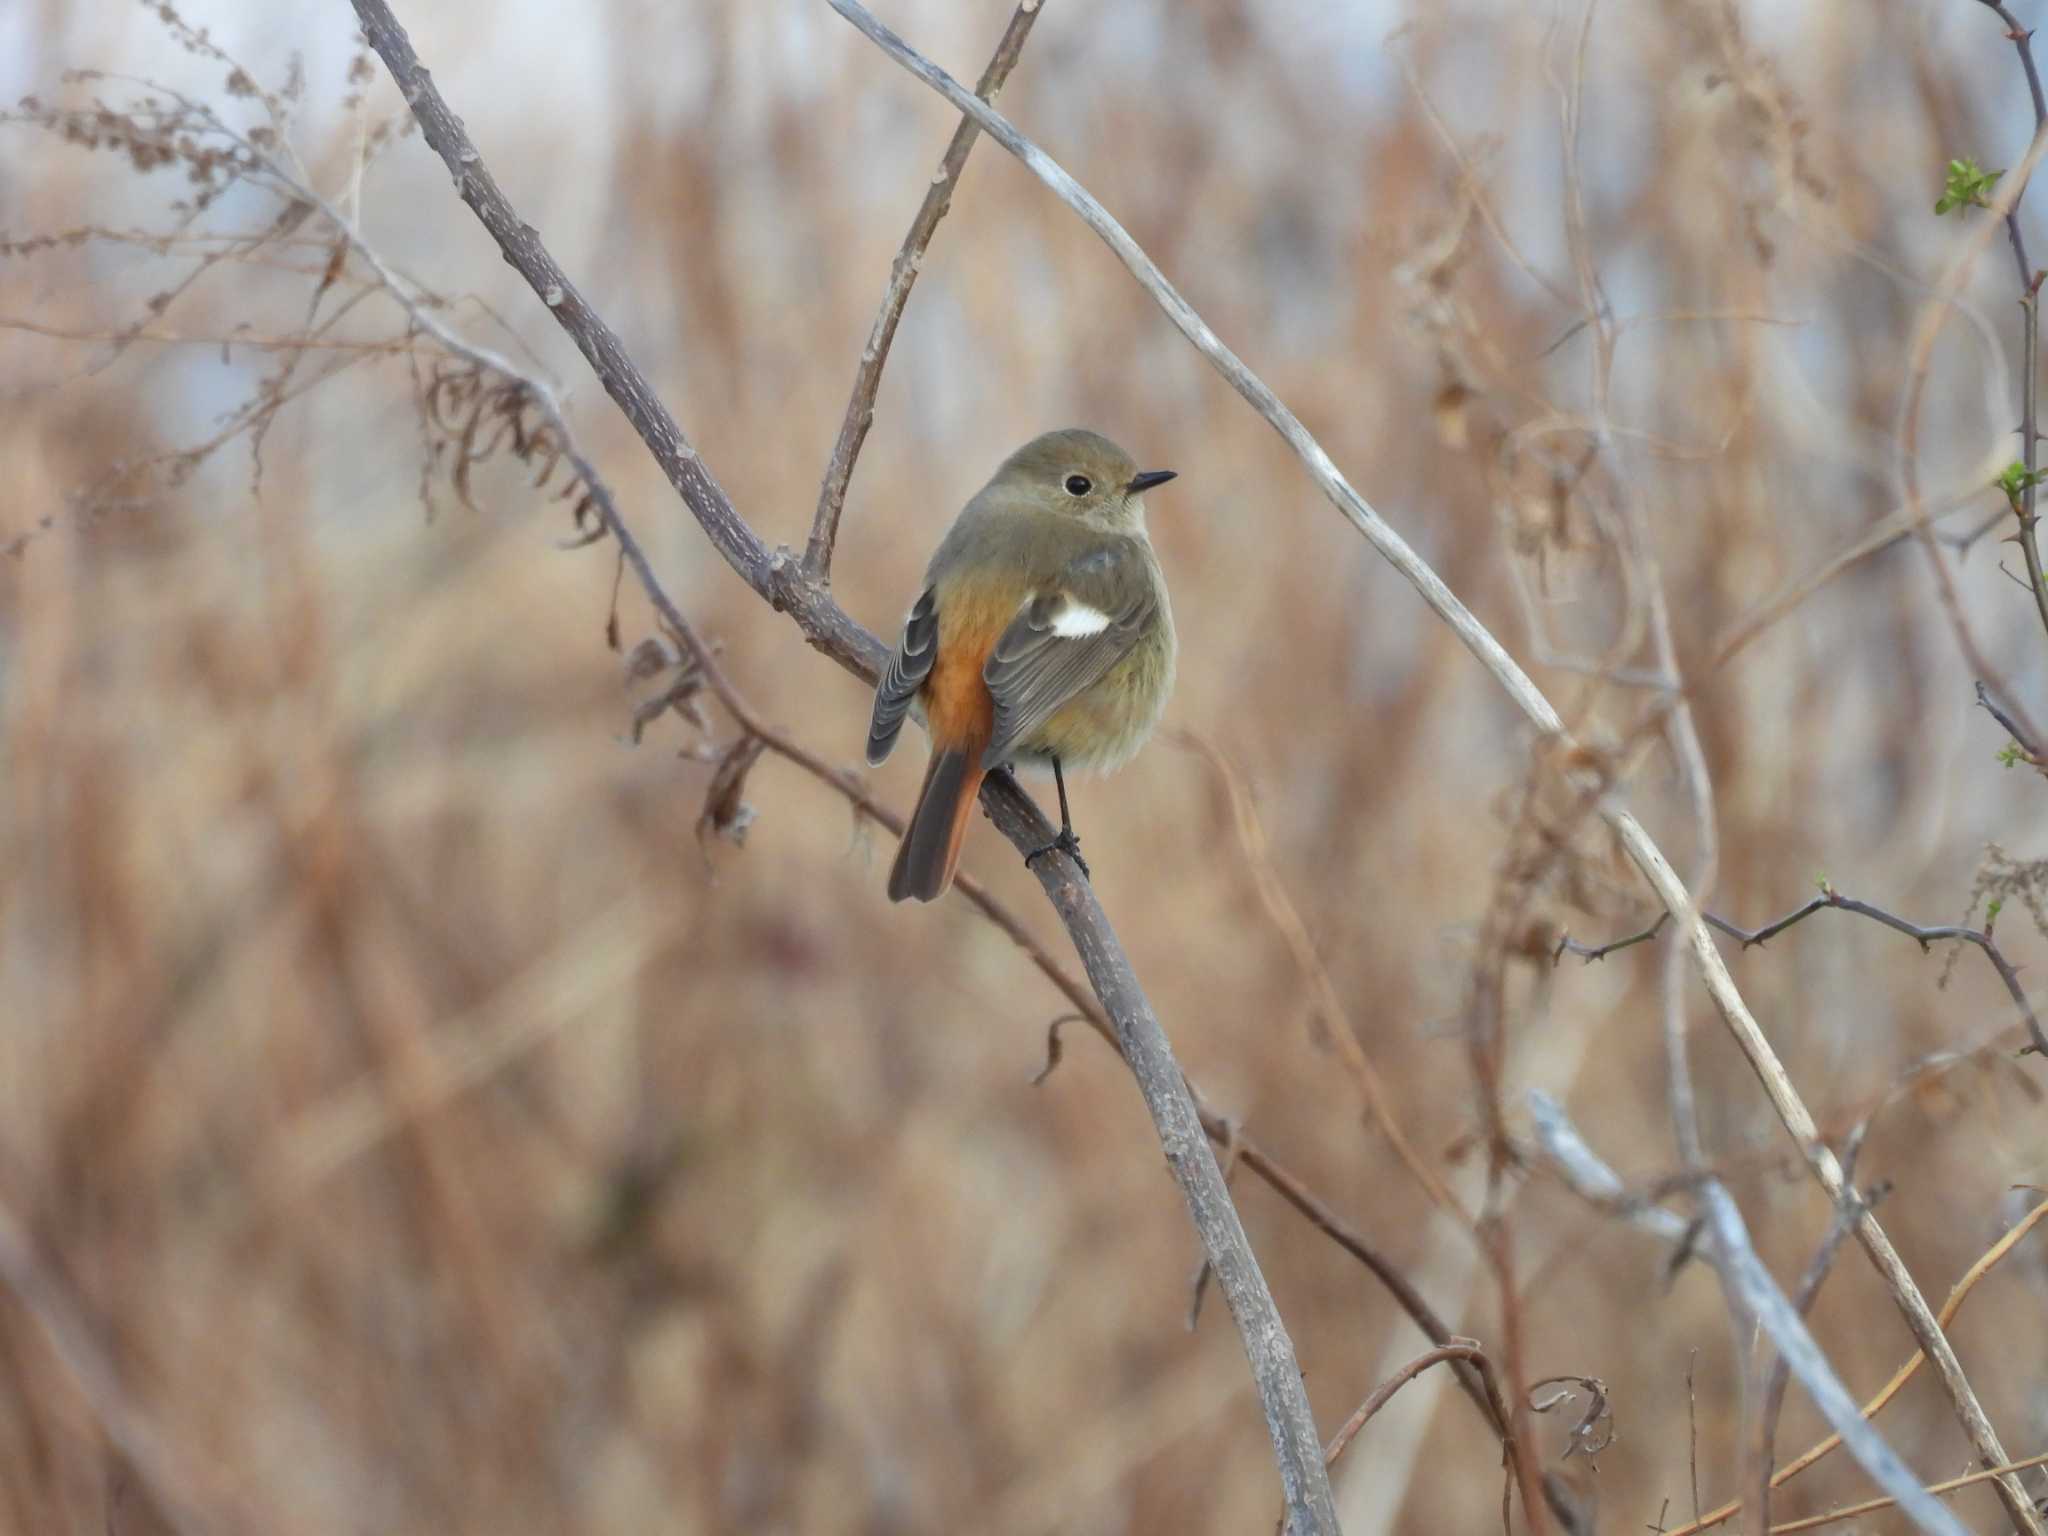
x=410, y=1122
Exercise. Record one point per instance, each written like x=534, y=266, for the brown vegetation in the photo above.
x=423, y=1109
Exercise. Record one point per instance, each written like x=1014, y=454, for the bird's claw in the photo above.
x=1065, y=843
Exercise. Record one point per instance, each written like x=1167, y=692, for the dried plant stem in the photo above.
x=1297, y=1448
x=1870, y=1506
x=1460, y=1350
x=1642, y=849
x=1904, y=1374
x=1343, y=1035
x=938, y=198
x=1798, y=1120
x=1753, y=1293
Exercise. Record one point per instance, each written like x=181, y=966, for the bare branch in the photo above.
x=1566, y=944
x=1831, y=900
x=1589, y=1176
x=778, y=578
x=1457, y=1349
x=2027, y=749
x=938, y=198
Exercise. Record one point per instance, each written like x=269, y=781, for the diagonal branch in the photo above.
x=1641, y=848
x=938, y=198
x=778, y=578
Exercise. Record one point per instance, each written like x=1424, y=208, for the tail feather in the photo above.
x=931, y=846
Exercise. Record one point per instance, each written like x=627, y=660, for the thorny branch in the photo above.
x=938, y=198
x=778, y=578
x=1830, y=899
x=2022, y=743
x=2030, y=312
x=1905, y=448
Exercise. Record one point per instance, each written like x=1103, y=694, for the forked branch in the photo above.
x=779, y=578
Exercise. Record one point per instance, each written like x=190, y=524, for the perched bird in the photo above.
x=1042, y=636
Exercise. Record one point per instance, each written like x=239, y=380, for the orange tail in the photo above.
x=931, y=847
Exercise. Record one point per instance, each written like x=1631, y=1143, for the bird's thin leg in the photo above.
x=1066, y=842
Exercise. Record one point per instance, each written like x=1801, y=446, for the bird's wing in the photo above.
x=906, y=673
x=1065, y=638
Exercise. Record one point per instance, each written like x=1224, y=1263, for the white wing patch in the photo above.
x=1077, y=619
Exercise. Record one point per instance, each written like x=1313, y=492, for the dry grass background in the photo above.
x=436, y=1136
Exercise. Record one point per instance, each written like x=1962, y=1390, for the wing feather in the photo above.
x=906, y=674
x=1061, y=642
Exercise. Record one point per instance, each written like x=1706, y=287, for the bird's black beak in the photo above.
x=1145, y=479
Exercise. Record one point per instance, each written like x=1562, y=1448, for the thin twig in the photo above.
x=2028, y=749
x=938, y=198
x=1338, y=1028
x=1831, y=900
x=1457, y=1349
x=1589, y=1176
x=1869, y=1506
x=1692, y=1431
x=1566, y=944
x=1464, y=1350
x=1297, y=1194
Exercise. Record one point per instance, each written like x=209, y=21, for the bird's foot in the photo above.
x=1065, y=843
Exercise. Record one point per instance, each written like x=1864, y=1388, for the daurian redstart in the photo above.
x=1042, y=637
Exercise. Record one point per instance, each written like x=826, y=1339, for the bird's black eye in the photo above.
x=1079, y=485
